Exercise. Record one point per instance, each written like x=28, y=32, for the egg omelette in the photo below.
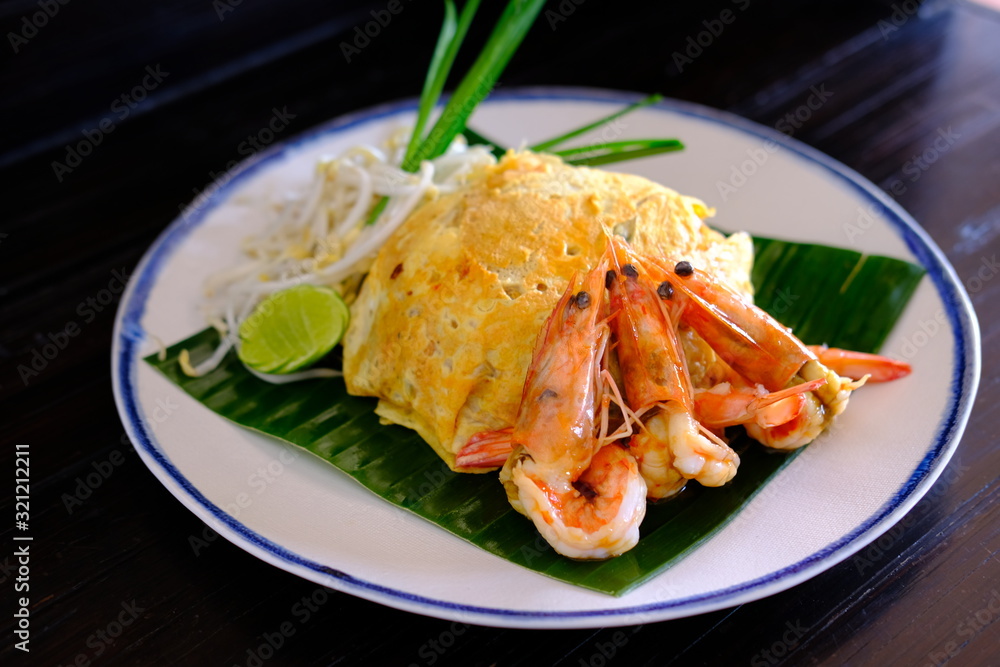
x=443, y=328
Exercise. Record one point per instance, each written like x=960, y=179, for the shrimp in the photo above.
x=670, y=447
x=758, y=348
x=584, y=494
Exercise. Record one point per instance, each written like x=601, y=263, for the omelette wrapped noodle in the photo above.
x=444, y=325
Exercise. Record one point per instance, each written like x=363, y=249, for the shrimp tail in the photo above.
x=488, y=449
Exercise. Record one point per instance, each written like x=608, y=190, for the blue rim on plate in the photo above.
x=129, y=335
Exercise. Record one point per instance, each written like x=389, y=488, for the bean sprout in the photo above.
x=320, y=234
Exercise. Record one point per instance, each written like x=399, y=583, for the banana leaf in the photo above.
x=827, y=295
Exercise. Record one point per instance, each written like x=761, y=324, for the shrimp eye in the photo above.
x=630, y=271
x=665, y=290
x=609, y=279
x=582, y=300
x=684, y=269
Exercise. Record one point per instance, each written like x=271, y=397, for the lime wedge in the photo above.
x=293, y=328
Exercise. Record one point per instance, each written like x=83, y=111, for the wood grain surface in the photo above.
x=122, y=574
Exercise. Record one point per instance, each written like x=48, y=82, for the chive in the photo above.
x=507, y=35
x=594, y=154
x=619, y=151
x=563, y=138
x=427, y=96
x=449, y=41
x=474, y=138
x=510, y=30
x=616, y=146
x=377, y=210
x=623, y=156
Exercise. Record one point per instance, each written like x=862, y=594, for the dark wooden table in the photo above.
x=114, y=579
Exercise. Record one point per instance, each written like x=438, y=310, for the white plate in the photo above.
x=304, y=516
